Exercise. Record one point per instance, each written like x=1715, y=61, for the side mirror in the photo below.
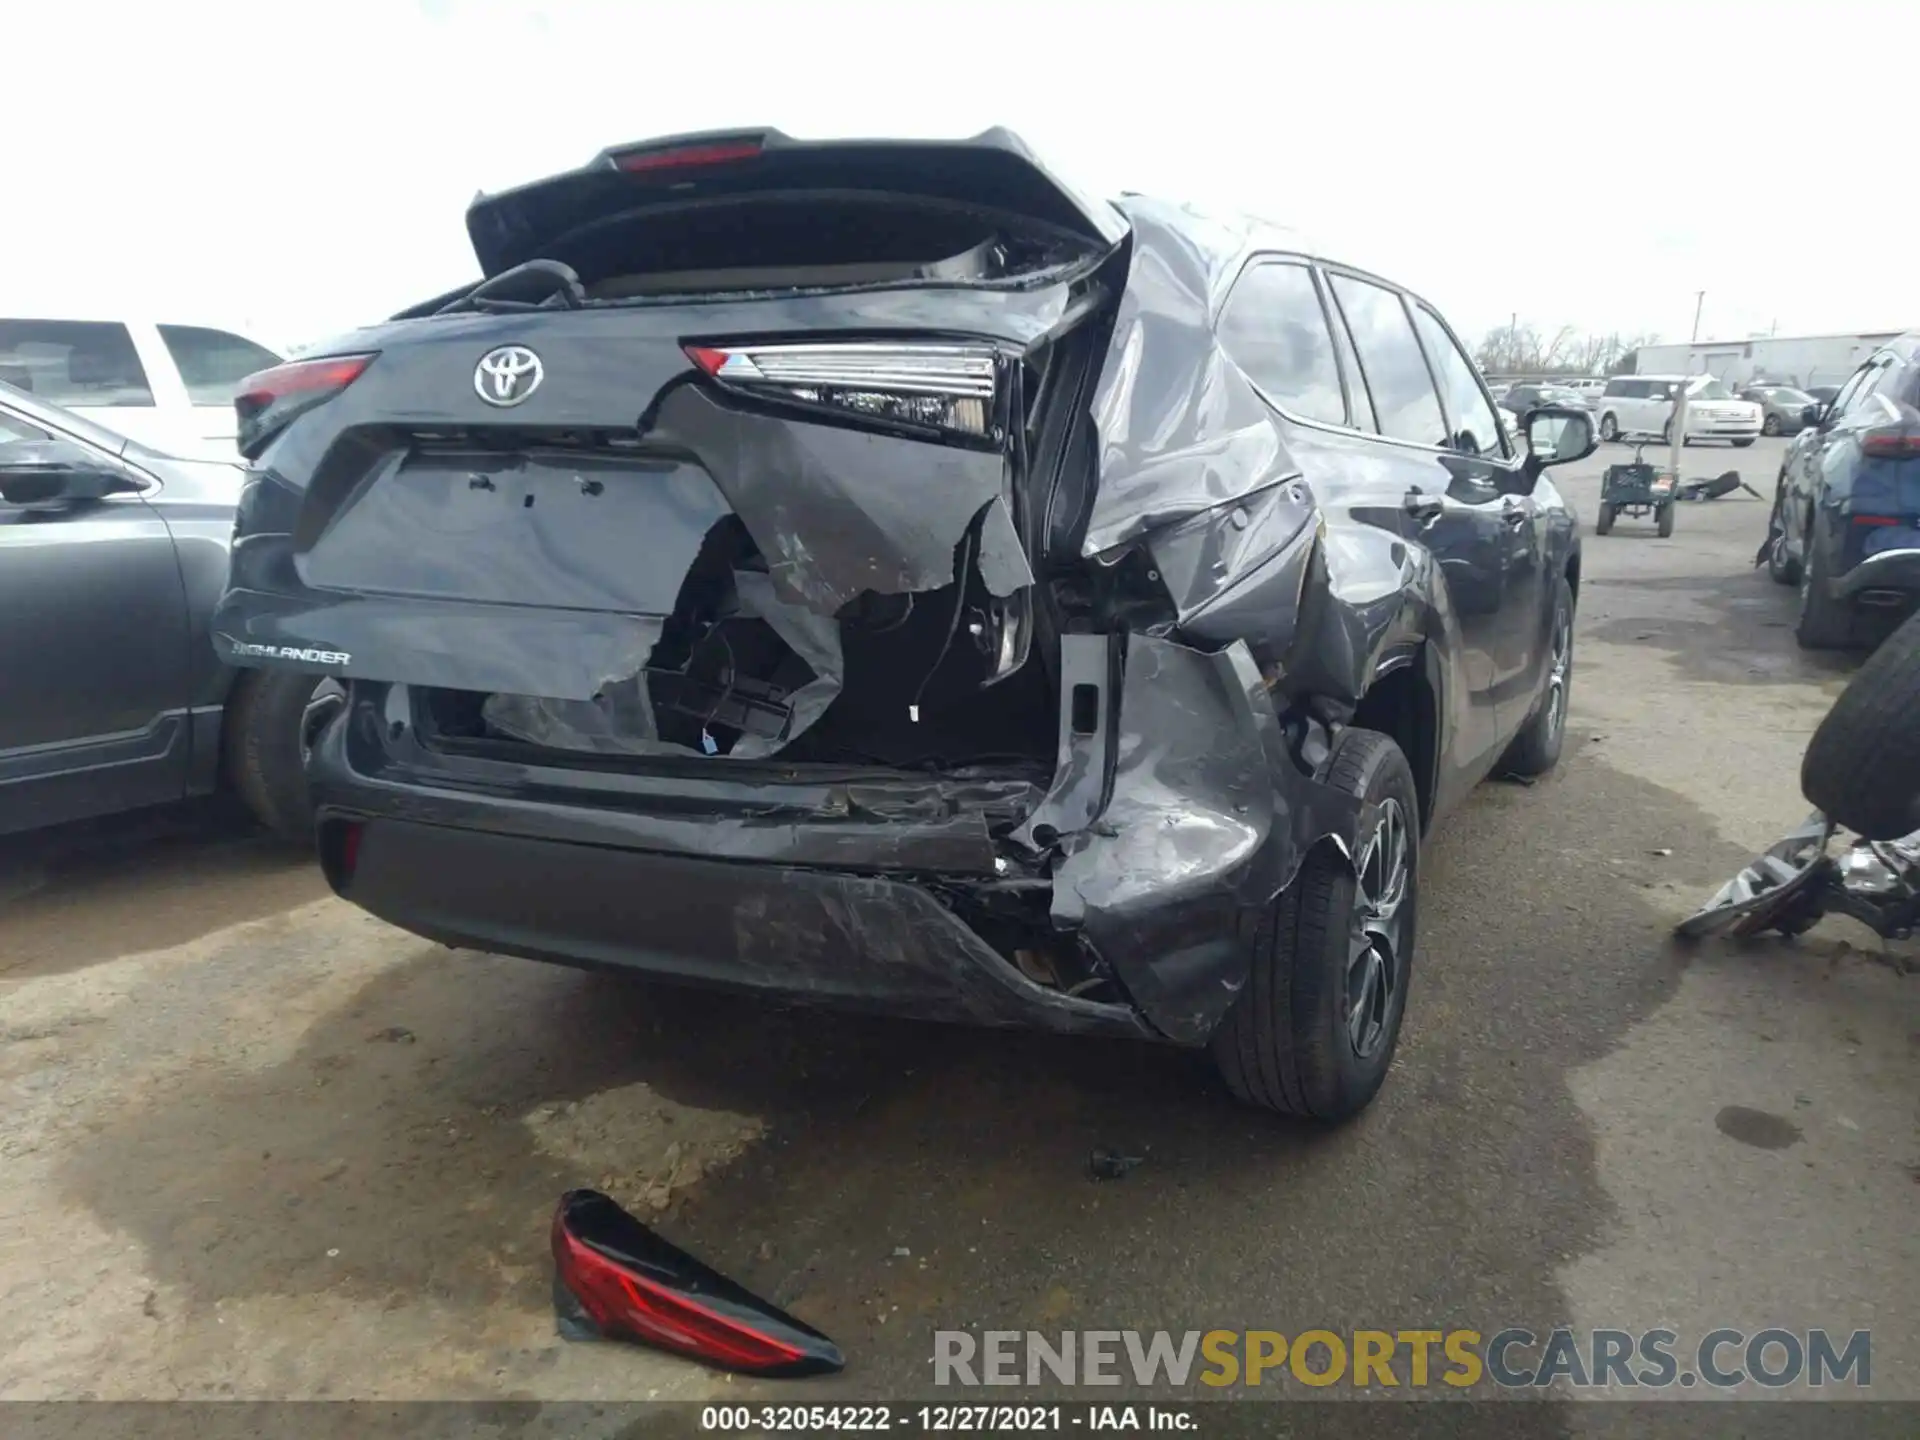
x=57, y=472
x=1557, y=435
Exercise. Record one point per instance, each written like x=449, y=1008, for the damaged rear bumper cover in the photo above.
x=1175, y=816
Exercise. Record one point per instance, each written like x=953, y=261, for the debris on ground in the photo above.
x=1106, y=1164
x=616, y=1279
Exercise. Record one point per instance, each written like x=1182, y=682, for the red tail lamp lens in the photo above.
x=614, y=1277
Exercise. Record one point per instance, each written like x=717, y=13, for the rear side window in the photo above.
x=1476, y=429
x=1275, y=329
x=1856, y=385
x=213, y=362
x=1390, y=358
x=73, y=362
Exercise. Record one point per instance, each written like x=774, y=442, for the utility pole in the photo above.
x=1699, y=299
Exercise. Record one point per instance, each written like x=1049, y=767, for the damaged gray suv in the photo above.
x=871, y=573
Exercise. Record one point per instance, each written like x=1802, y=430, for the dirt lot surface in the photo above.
x=255, y=1143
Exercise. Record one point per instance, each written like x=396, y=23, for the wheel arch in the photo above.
x=1403, y=704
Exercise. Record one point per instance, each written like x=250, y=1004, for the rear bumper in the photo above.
x=860, y=941
x=1152, y=861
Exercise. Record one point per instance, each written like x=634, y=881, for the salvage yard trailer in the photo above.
x=1801, y=360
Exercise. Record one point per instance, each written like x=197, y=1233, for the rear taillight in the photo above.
x=1878, y=520
x=615, y=1277
x=1891, y=442
x=685, y=157
x=268, y=400
x=949, y=388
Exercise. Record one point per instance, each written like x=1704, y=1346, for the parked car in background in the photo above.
x=1519, y=399
x=1782, y=407
x=767, y=599
x=1823, y=394
x=1643, y=405
x=112, y=556
x=1590, y=387
x=167, y=386
x=1845, y=526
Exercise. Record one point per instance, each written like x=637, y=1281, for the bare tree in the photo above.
x=1519, y=349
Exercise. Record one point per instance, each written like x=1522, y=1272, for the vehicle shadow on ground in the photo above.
x=394, y=1134
x=76, y=895
x=1724, y=629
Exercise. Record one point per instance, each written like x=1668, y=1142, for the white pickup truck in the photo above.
x=168, y=386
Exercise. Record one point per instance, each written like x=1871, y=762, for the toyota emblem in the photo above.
x=508, y=375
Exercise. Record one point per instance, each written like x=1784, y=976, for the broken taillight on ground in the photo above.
x=615, y=1278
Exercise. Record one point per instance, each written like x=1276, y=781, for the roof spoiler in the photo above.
x=994, y=170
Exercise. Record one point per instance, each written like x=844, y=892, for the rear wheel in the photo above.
x=1603, y=521
x=1666, y=520
x=1825, y=623
x=1862, y=767
x=1536, y=749
x=1782, y=567
x=1314, y=1029
x=1770, y=426
x=273, y=717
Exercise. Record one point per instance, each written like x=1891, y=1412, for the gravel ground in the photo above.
x=258, y=1144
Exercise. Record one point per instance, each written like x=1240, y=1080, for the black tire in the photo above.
x=1743, y=444
x=1603, y=521
x=1666, y=520
x=1536, y=749
x=1770, y=426
x=1288, y=1044
x=1862, y=767
x=265, y=737
x=1825, y=623
x=1609, y=427
x=1781, y=567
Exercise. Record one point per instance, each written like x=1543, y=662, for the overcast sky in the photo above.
x=299, y=167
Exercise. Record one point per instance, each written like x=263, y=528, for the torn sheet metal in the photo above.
x=620, y=719
x=837, y=511
x=1181, y=429
x=1208, y=820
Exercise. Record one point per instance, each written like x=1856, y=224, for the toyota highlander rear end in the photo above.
x=709, y=586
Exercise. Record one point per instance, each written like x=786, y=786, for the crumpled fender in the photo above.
x=1207, y=819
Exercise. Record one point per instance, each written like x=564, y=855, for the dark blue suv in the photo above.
x=1846, y=513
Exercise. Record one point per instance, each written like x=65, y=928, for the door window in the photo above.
x=73, y=362
x=1476, y=429
x=1275, y=329
x=213, y=362
x=1391, y=360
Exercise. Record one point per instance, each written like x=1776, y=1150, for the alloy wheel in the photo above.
x=1377, y=950
x=1560, y=671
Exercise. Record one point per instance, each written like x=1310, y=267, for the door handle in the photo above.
x=1423, y=507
